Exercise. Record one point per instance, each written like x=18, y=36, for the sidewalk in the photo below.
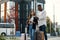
x=49, y=38
x=53, y=38
x=22, y=38
x=28, y=38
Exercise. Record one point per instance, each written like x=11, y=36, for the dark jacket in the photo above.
x=35, y=20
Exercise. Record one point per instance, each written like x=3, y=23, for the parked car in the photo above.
x=7, y=29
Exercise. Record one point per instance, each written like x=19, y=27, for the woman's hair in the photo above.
x=32, y=13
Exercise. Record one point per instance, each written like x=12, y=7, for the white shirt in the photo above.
x=31, y=19
x=42, y=18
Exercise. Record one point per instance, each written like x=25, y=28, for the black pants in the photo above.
x=43, y=28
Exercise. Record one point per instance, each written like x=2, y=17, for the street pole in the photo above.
x=54, y=18
x=0, y=13
x=34, y=5
x=27, y=9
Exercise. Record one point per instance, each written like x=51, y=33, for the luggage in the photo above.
x=39, y=35
x=18, y=33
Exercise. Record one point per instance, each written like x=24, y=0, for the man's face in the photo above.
x=39, y=8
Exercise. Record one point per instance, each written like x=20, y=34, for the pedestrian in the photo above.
x=29, y=24
x=34, y=21
x=41, y=14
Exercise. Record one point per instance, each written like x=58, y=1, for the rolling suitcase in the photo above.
x=39, y=35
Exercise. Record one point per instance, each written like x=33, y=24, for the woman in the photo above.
x=29, y=25
x=34, y=21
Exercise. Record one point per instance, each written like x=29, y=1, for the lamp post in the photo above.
x=54, y=17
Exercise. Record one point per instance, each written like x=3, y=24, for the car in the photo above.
x=7, y=29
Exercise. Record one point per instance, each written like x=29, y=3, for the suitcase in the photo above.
x=39, y=35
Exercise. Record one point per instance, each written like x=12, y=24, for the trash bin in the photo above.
x=18, y=33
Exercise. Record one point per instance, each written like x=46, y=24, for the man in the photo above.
x=41, y=14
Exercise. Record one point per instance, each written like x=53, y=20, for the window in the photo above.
x=5, y=25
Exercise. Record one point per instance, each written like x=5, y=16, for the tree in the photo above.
x=49, y=28
x=2, y=38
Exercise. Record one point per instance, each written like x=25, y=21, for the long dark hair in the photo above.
x=30, y=15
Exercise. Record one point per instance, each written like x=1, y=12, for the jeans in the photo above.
x=30, y=31
x=43, y=28
x=33, y=31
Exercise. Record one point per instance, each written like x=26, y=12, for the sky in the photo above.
x=53, y=7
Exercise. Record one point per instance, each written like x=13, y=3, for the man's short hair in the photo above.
x=39, y=5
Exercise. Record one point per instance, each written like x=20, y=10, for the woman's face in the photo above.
x=32, y=13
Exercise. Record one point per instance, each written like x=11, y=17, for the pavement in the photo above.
x=49, y=38
x=22, y=37
x=53, y=38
